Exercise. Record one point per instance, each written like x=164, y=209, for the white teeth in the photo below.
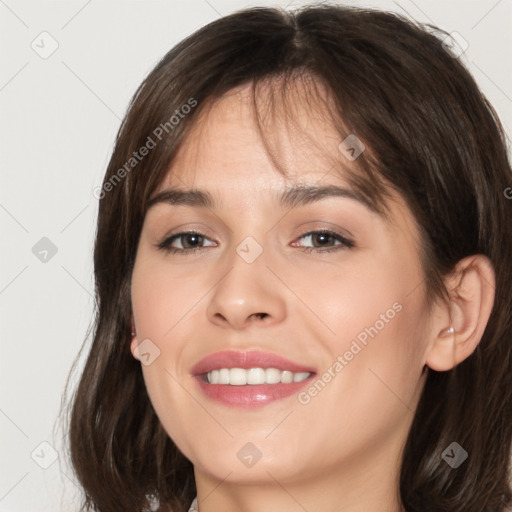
x=256, y=376
x=237, y=377
x=272, y=376
x=223, y=376
x=286, y=377
x=252, y=376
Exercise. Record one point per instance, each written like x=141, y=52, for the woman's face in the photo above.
x=348, y=306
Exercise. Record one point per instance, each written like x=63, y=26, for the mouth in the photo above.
x=249, y=379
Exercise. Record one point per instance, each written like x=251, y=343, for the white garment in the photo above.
x=193, y=507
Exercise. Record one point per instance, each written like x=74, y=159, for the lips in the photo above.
x=247, y=360
x=249, y=396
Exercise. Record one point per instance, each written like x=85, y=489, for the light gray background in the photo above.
x=58, y=120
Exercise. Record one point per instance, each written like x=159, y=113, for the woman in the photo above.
x=303, y=267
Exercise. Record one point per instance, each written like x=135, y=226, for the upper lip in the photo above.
x=246, y=360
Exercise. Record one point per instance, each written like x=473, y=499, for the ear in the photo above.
x=134, y=342
x=459, y=325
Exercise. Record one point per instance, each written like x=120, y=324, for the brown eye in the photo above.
x=324, y=238
x=187, y=240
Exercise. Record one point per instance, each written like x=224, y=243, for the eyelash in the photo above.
x=345, y=242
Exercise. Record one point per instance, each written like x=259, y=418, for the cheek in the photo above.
x=164, y=301
x=366, y=295
x=377, y=316
x=161, y=297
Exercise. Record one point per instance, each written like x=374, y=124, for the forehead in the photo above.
x=225, y=142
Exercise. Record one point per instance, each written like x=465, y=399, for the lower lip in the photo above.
x=250, y=395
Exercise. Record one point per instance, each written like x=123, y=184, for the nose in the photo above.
x=248, y=293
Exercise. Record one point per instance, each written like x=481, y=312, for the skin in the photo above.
x=341, y=450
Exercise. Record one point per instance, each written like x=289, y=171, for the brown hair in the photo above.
x=432, y=136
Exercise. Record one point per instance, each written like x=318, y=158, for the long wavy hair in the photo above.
x=431, y=135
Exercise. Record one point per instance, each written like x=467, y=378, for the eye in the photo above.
x=187, y=240
x=325, y=238
x=190, y=242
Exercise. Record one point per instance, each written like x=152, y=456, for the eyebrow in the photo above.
x=291, y=197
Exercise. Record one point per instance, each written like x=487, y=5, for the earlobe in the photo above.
x=442, y=355
x=460, y=328
x=133, y=345
x=134, y=342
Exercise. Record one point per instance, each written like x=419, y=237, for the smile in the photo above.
x=249, y=379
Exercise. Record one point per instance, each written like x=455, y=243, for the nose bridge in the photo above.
x=248, y=289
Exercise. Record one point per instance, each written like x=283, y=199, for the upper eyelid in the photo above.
x=323, y=226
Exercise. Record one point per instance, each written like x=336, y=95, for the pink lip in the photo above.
x=248, y=396
x=246, y=360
